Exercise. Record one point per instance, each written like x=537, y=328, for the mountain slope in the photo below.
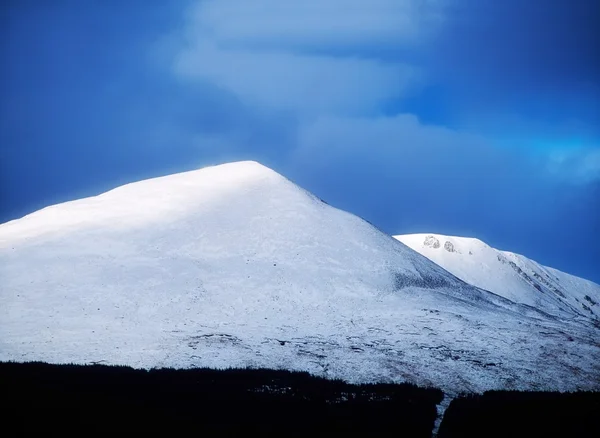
x=234, y=265
x=510, y=275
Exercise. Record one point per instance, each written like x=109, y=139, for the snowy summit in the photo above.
x=234, y=265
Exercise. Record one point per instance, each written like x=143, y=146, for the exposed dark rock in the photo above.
x=432, y=241
x=448, y=246
x=587, y=308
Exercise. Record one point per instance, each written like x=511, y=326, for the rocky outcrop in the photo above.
x=432, y=241
x=448, y=246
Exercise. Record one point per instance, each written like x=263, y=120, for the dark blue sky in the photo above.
x=467, y=117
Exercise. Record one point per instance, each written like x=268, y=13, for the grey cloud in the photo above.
x=307, y=84
x=332, y=23
x=251, y=49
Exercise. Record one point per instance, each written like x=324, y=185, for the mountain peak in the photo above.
x=233, y=170
x=151, y=200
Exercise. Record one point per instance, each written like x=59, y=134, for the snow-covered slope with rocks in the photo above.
x=234, y=265
x=510, y=275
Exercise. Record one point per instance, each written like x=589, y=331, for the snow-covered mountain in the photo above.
x=234, y=265
x=510, y=275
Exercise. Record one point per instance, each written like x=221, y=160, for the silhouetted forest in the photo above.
x=518, y=414
x=84, y=400
x=91, y=399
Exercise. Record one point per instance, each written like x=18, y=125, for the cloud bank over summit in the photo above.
x=461, y=117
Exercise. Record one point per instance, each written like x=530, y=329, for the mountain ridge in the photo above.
x=510, y=275
x=235, y=265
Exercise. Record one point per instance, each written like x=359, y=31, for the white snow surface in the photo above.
x=510, y=275
x=234, y=265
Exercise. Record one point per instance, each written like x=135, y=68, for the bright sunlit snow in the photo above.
x=234, y=265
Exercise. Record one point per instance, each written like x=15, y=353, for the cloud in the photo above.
x=324, y=64
x=313, y=23
x=321, y=63
x=297, y=82
x=407, y=157
x=305, y=56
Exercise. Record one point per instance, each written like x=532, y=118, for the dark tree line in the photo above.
x=83, y=400
x=80, y=400
x=523, y=414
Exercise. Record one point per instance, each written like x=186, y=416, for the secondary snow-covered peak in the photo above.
x=510, y=275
